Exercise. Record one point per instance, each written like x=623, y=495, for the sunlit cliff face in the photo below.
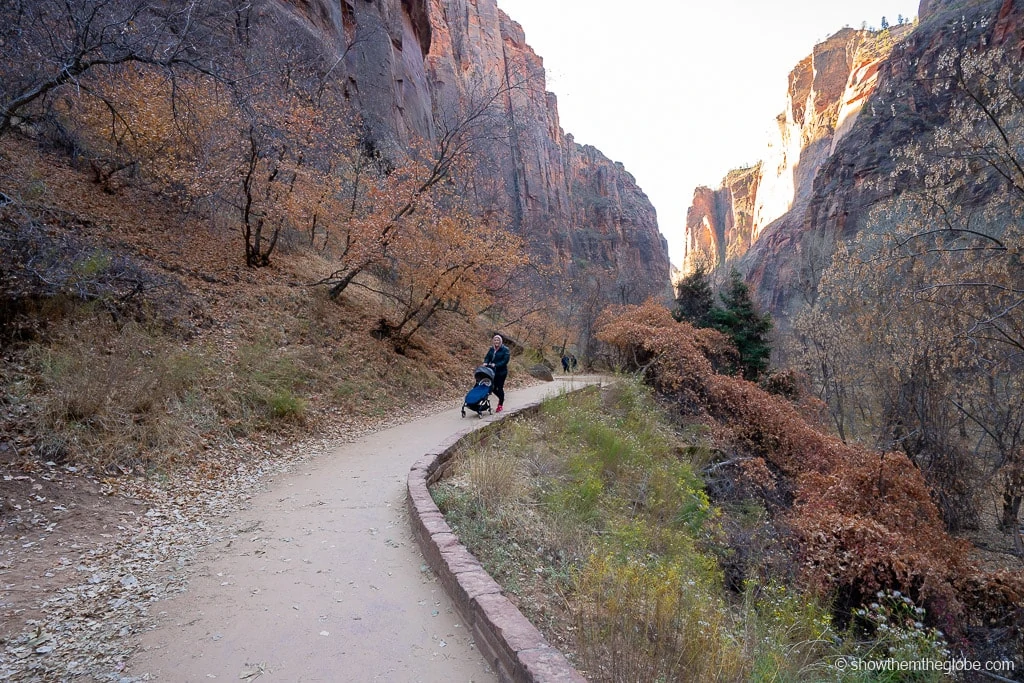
x=855, y=99
x=827, y=92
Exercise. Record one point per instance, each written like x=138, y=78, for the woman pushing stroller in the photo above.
x=497, y=358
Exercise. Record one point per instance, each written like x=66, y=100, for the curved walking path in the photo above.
x=328, y=583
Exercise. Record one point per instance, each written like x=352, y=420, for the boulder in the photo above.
x=541, y=371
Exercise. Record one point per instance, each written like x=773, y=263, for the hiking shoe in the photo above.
x=499, y=409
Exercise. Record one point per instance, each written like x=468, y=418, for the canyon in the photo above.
x=855, y=99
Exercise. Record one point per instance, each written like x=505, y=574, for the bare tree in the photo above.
x=53, y=44
x=461, y=126
x=917, y=332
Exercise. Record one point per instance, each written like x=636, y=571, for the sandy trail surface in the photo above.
x=327, y=582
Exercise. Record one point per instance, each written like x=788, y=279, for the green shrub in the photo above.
x=269, y=384
x=450, y=499
x=94, y=264
x=284, y=405
x=577, y=497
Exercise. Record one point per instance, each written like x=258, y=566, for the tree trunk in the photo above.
x=344, y=282
x=1011, y=511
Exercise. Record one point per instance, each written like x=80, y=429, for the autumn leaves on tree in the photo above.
x=253, y=128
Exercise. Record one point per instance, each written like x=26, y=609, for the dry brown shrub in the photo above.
x=756, y=473
x=864, y=520
x=675, y=356
x=996, y=599
x=498, y=478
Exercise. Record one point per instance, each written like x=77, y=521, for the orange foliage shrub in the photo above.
x=673, y=353
x=864, y=520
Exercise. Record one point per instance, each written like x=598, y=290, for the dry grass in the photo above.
x=129, y=397
x=498, y=477
x=639, y=621
x=114, y=396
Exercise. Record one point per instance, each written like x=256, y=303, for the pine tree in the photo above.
x=747, y=328
x=694, y=299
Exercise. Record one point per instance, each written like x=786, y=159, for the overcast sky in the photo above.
x=680, y=91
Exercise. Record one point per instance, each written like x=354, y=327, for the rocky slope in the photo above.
x=412, y=63
x=858, y=96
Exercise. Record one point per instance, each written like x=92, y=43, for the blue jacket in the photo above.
x=499, y=359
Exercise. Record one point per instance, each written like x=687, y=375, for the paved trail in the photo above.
x=328, y=585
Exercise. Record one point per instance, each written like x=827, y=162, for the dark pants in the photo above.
x=498, y=388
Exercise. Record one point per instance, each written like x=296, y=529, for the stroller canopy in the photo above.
x=483, y=372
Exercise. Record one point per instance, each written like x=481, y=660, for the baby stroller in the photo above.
x=478, y=398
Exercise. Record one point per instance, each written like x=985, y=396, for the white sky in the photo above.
x=680, y=91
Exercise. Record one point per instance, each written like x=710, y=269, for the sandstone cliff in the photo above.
x=857, y=97
x=825, y=93
x=410, y=63
x=720, y=223
x=856, y=176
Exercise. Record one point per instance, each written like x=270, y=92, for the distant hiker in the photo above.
x=497, y=357
x=572, y=361
x=565, y=363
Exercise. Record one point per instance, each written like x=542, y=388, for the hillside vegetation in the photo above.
x=143, y=363
x=203, y=241
x=715, y=531
x=208, y=259
x=134, y=333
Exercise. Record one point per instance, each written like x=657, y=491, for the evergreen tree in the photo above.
x=747, y=328
x=694, y=299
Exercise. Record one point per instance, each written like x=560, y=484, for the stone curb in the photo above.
x=513, y=646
